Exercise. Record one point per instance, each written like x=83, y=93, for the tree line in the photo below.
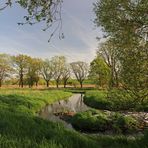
x=29, y=70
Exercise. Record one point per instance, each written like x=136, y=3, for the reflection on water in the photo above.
x=73, y=104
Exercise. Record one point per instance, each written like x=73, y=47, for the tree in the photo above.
x=125, y=22
x=108, y=52
x=80, y=70
x=48, y=11
x=34, y=65
x=5, y=67
x=134, y=72
x=66, y=74
x=58, y=63
x=47, y=71
x=99, y=71
x=20, y=66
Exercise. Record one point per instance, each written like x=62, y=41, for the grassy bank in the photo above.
x=116, y=100
x=21, y=128
x=29, y=101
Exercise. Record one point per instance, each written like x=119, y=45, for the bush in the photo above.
x=121, y=100
x=124, y=124
x=90, y=121
x=97, y=121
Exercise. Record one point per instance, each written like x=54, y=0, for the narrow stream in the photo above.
x=73, y=105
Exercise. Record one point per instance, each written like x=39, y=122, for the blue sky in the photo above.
x=80, y=34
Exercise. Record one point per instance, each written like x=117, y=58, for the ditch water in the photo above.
x=55, y=111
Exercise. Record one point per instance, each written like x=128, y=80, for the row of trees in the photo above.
x=29, y=70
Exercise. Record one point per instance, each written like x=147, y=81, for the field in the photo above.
x=21, y=127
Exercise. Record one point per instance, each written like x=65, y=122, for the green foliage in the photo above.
x=58, y=64
x=94, y=120
x=5, y=67
x=29, y=101
x=91, y=120
x=33, y=71
x=121, y=19
x=115, y=100
x=99, y=72
x=124, y=124
x=108, y=52
x=39, y=11
x=121, y=100
x=80, y=70
x=126, y=24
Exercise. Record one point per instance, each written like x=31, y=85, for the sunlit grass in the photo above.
x=30, y=100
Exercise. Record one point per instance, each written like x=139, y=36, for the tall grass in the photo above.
x=29, y=101
x=115, y=100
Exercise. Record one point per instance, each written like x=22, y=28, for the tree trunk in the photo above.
x=57, y=84
x=21, y=84
x=81, y=84
x=47, y=83
x=65, y=83
x=21, y=81
x=36, y=83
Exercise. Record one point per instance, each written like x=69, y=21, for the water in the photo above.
x=73, y=105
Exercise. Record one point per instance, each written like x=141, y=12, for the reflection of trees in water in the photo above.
x=74, y=104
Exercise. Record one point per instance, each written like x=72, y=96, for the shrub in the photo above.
x=124, y=124
x=121, y=100
x=91, y=120
x=97, y=121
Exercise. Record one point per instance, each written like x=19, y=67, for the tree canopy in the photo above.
x=126, y=25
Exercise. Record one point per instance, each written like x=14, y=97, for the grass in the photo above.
x=28, y=100
x=97, y=99
x=21, y=128
x=116, y=100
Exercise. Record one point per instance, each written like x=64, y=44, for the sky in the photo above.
x=80, y=33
